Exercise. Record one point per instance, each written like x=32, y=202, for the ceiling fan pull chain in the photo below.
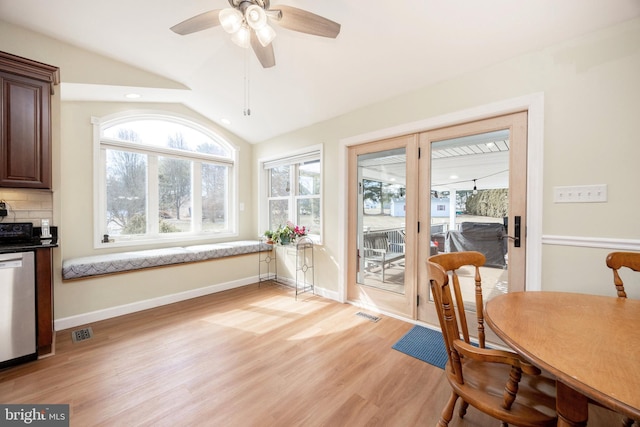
x=247, y=107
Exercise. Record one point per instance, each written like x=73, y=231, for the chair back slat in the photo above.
x=460, y=306
x=451, y=263
x=439, y=282
x=615, y=261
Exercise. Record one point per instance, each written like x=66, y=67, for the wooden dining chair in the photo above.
x=451, y=263
x=615, y=261
x=496, y=382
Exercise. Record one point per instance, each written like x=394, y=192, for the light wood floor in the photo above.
x=247, y=357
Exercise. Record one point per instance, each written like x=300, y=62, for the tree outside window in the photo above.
x=294, y=187
x=164, y=178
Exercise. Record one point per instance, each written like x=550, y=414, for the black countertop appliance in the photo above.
x=23, y=236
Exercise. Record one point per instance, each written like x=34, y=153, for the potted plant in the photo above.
x=285, y=234
x=269, y=235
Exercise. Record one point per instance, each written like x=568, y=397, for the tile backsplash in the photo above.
x=27, y=205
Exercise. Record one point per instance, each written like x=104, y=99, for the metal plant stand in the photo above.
x=305, y=276
x=267, y=266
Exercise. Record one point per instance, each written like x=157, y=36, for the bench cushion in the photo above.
x=135, y=260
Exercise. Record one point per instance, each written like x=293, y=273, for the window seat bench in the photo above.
x=97, y=265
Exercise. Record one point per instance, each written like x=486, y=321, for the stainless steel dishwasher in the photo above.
x=17, y=308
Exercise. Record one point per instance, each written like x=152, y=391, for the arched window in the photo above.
x=161, y=178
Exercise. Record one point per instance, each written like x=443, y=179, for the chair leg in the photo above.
x=447, y=412
x=463, y=409
x=627, y=422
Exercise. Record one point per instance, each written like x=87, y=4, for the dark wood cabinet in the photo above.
x=25, y=122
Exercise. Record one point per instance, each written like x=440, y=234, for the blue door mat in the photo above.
x=423, y=344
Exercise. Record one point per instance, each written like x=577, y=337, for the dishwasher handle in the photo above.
x=11, y=263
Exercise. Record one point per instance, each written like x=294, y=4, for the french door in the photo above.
x=437, y=191
x=382, y=214
x=473, y=188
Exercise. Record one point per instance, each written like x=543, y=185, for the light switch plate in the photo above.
x=580, y=194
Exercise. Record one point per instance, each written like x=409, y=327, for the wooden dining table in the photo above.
x=590, y=343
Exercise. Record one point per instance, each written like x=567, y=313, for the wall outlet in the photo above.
x=580, y=194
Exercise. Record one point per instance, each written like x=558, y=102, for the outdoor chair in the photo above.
x=382, y=252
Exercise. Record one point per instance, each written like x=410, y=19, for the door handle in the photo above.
x=516, y=231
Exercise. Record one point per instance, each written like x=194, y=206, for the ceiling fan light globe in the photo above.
x=242, y=37
x=265, y=35
x=255, y=16
x=230, y=19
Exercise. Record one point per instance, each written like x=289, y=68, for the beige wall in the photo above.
x=591, y=90
x=76, y=169
x=76, y=222
x=591, y=108
x=72, y=195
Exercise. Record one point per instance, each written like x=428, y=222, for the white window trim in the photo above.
x=100, y=173
x=263, y=184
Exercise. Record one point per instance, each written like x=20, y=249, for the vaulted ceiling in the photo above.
x=385, y=48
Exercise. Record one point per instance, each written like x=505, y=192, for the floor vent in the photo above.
x=81, y=334
x=368, y=316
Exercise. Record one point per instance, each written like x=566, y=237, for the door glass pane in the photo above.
x=470, y=206
x=381, y=220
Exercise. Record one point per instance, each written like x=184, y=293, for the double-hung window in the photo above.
x=162, y=178
x=294, y=192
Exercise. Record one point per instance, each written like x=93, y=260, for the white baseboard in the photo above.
x=108, y=313
x=325, y=293
x=322, y=292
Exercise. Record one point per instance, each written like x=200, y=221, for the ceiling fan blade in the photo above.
x=265, y=54
x=198, y=23
x=306, y=22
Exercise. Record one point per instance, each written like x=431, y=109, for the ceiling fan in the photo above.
x=247, y=22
